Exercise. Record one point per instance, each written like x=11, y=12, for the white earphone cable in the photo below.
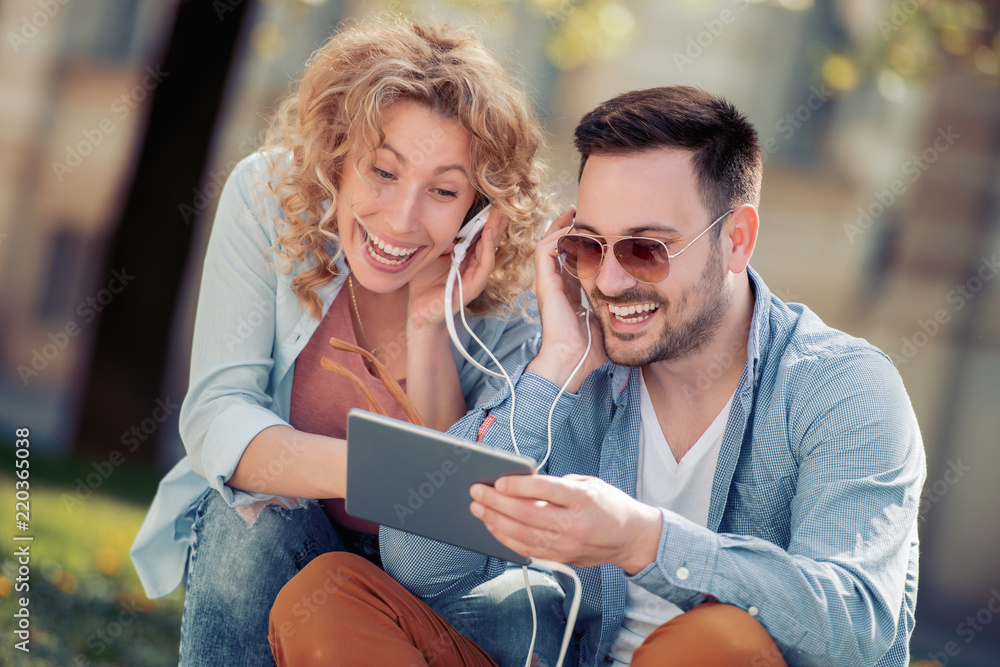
x=551, y=565
x=574, y=607
x=449, y=315
x=562, y=389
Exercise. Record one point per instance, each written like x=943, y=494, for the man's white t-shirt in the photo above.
x=684, y=487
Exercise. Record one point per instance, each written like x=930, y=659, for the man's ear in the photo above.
x=741, y=233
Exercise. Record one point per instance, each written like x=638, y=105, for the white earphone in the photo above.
x=467, y=235
x=470, y=232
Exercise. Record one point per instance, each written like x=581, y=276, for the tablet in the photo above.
x=416, y=479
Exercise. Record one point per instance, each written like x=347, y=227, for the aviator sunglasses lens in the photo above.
x=646, y=260
x=580, y=255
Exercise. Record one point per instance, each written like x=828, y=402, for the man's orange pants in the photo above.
x=367, y=618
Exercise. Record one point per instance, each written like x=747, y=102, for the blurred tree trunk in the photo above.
x=121, y=406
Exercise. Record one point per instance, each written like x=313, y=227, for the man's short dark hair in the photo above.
x=725, y=153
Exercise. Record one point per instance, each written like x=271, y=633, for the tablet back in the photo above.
x=417, y=479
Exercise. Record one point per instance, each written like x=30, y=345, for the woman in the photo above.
x=341, y=228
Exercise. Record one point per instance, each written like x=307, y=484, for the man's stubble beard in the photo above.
x=675, y=340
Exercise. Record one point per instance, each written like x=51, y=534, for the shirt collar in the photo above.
x=759, y=340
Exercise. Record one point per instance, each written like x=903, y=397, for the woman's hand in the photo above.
x=432, y=381
x=564, y=332
x=426, y=304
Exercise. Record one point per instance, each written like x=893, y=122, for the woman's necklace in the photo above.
x=361, y=325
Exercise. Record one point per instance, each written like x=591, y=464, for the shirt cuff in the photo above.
x=685, y=562
x=232, y=431
x=535, y=395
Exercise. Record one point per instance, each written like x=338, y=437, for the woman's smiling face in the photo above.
x=415, y=194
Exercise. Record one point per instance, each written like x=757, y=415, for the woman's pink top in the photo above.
x=321, y=398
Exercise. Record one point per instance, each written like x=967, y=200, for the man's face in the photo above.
x=652, y=194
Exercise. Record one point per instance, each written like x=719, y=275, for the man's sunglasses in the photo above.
x=647, y=260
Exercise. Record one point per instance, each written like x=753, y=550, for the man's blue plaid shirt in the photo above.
x=813, y=519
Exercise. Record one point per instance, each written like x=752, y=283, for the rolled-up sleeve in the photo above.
x=228, y=401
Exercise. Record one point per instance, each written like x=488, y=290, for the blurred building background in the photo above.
x=880, y=121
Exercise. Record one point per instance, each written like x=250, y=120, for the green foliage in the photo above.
x=86, y=604
x=910, y=42
x=579, y=32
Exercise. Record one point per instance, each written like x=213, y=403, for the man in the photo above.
x=740, y=484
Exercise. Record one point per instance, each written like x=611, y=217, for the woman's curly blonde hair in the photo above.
x=340, y=101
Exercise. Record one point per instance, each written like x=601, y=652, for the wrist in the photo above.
x=555, y=363
x=426, y=318
x=423, y=333
x=643, y=547
x=334, y=463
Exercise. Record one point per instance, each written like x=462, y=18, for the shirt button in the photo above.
x=683, y=573
x=752, y=610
